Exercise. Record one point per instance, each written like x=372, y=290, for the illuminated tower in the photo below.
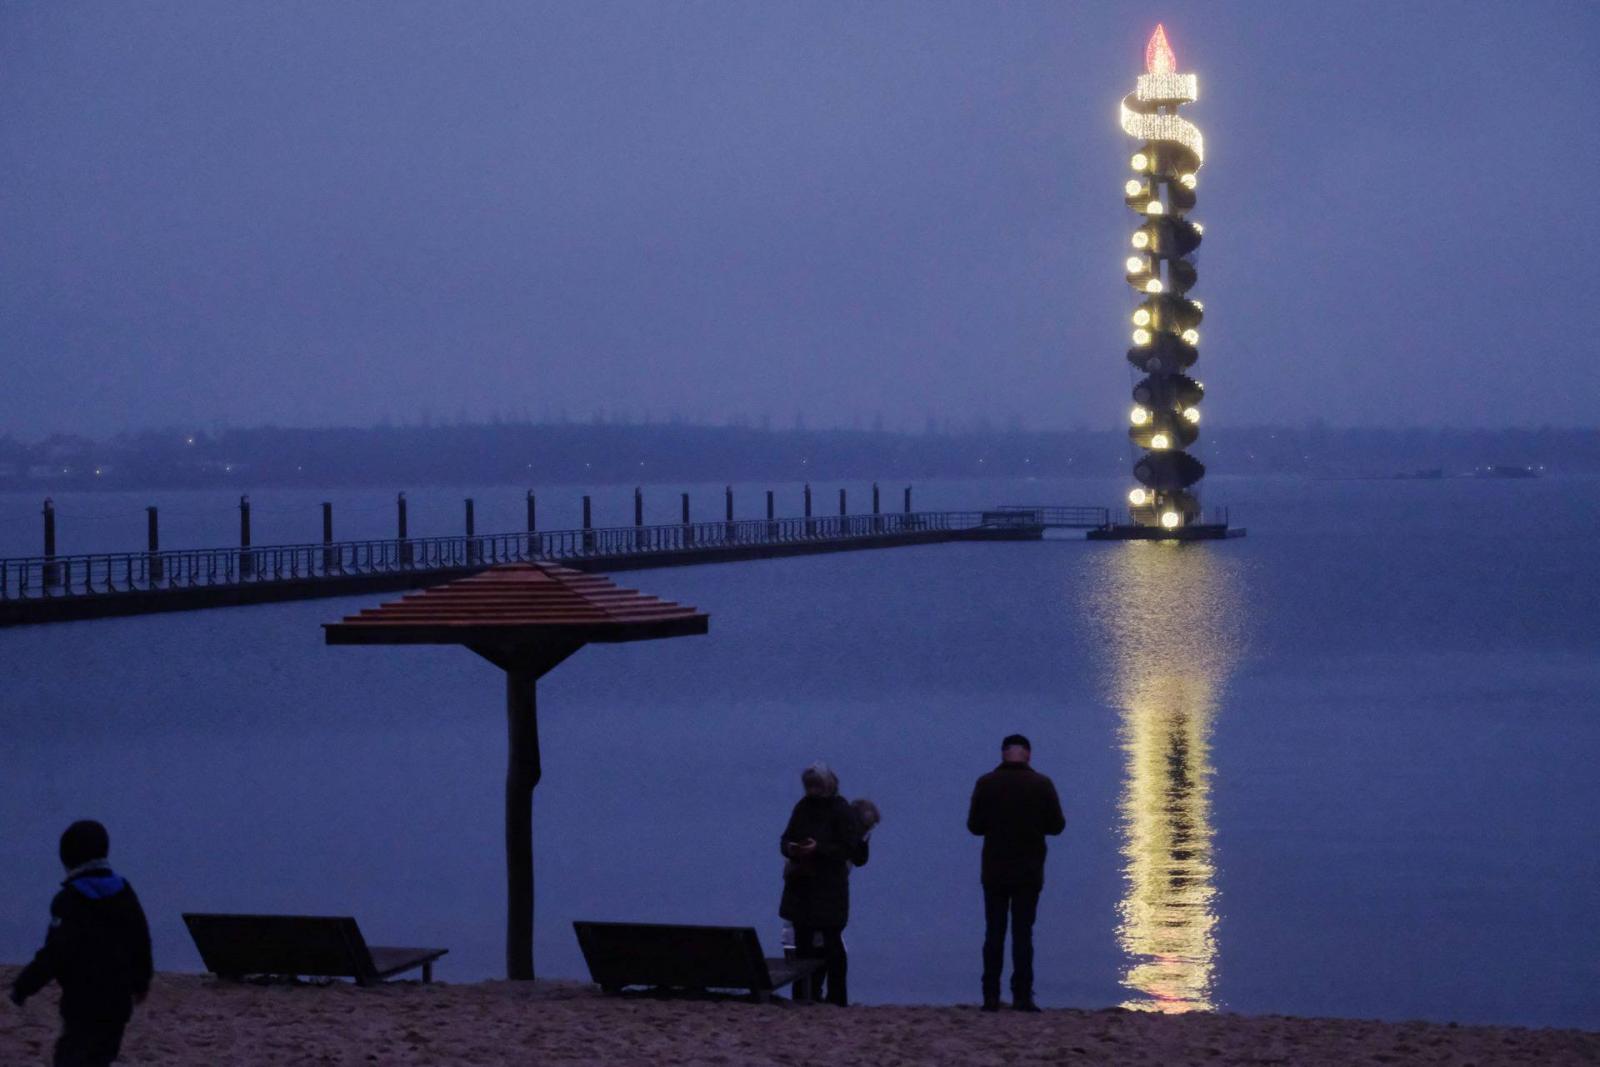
x=1165, y=419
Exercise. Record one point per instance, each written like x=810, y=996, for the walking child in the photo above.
x=97, y=949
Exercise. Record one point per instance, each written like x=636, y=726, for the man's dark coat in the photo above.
x=1013, y=808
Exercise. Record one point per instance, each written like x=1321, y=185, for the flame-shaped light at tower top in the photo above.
x=1162, y=271
x=1158, y=54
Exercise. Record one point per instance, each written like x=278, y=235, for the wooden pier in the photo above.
x=64, y=588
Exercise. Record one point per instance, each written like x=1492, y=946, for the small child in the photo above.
x=867, y=819
x=97, y=948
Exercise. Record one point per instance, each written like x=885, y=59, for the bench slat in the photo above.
x=388, y=962
x=682, y=957
x=321, y=946
x=784, y=972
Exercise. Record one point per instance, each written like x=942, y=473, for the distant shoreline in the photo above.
x=191, y=1020
x=560, y=454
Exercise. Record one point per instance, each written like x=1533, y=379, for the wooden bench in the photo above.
x=233, y=946
x=687, y=957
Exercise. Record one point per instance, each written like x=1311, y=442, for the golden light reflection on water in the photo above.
x=1174, y=617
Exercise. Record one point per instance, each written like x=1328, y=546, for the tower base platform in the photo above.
x=1198, y=532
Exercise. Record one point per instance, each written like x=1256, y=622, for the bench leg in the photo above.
x=763, y=996
x=427, y=972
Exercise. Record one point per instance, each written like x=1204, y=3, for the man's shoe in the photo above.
x=1024, y=1004
x=991, y=1004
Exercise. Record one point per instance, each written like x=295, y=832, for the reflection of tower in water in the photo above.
x=1168, y=910
x=1170, y=610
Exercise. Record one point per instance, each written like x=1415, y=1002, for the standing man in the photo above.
x=1013, y=808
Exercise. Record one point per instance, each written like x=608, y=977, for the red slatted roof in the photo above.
x=517, y=604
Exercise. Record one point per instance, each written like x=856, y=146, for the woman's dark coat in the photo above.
x=816, y=890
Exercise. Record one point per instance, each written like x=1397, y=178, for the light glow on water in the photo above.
x=1174, y=637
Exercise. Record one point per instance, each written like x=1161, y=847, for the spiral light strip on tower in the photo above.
x=1166, y=414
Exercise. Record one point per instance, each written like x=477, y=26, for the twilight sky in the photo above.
x=314, y=213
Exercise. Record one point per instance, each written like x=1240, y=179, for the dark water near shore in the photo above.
x=1346, y=766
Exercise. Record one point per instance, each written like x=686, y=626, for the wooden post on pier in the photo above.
x=727, y=496
x=844, y=521
x=688, y=528
x=588, y=525
x=525, y=618
x=772, y=527
x=406, y=554
x=811, y=527
x=52, y=570
x=908, y=500
x=533, y=526
x=474, y=552
x=246, y=557
x=328, y=561
x=638, y=519
x=877, y=523
x=152, y=527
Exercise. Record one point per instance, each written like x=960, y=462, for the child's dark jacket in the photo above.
x=97, y=949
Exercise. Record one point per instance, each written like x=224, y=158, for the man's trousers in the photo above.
x=1021, y=904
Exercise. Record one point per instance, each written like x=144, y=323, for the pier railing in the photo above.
x=137, y=572
x=1057, y=515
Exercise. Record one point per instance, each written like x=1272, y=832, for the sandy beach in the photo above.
x=193, y=1020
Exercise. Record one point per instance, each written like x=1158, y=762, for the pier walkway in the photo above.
x=62, y=588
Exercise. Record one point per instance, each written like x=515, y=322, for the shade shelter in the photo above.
x=525, y=618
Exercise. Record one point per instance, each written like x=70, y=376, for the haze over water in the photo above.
x=1341, y=767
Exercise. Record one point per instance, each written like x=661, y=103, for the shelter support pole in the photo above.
x=522, y=774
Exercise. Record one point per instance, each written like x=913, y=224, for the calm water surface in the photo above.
x=1345, y=766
